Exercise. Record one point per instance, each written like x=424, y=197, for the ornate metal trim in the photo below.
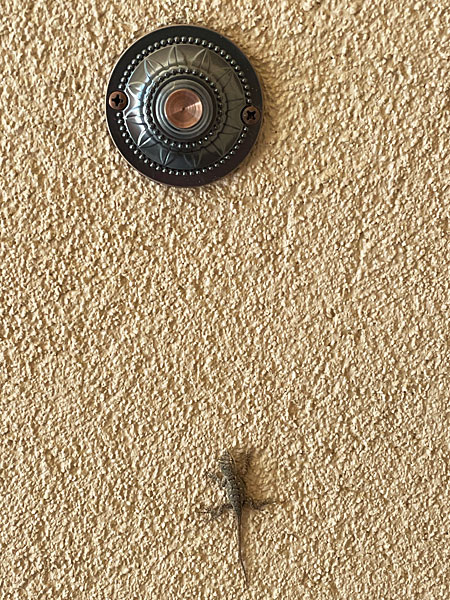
x=221, y=76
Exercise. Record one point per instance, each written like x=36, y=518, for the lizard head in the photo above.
x=226, y=461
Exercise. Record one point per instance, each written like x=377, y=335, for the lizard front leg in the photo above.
x=247, y=460
x=214, y=477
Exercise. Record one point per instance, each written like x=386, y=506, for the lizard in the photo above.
x=236, y=495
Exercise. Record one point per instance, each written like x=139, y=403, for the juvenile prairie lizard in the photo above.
x=236, y=495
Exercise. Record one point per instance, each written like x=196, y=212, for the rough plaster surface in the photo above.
x=299, y=306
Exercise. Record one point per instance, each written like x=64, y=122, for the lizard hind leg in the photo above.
x=258, y=505
x=215, y=511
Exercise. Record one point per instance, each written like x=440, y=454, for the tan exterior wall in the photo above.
x=299, y=306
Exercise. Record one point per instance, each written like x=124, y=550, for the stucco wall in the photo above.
x=299, y=306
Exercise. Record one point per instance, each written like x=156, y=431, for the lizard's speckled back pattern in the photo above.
x=231, y=479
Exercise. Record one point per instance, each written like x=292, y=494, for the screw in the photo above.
x=251, y=115
x=118, y=100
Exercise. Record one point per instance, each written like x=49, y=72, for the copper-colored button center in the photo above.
x=183, y=108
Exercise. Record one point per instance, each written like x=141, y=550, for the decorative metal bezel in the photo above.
x=241, y=70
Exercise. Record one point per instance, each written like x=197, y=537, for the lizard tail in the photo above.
x=239, y=534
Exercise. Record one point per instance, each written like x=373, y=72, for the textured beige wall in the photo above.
x=299, y=306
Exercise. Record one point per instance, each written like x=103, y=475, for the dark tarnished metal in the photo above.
x=184, y=105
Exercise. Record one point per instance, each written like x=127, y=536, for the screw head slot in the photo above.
x=117, y=100
x=251, y=115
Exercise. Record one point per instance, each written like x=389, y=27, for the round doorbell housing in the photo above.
x=184, y=105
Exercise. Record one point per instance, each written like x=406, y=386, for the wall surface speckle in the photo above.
x=299, y=306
